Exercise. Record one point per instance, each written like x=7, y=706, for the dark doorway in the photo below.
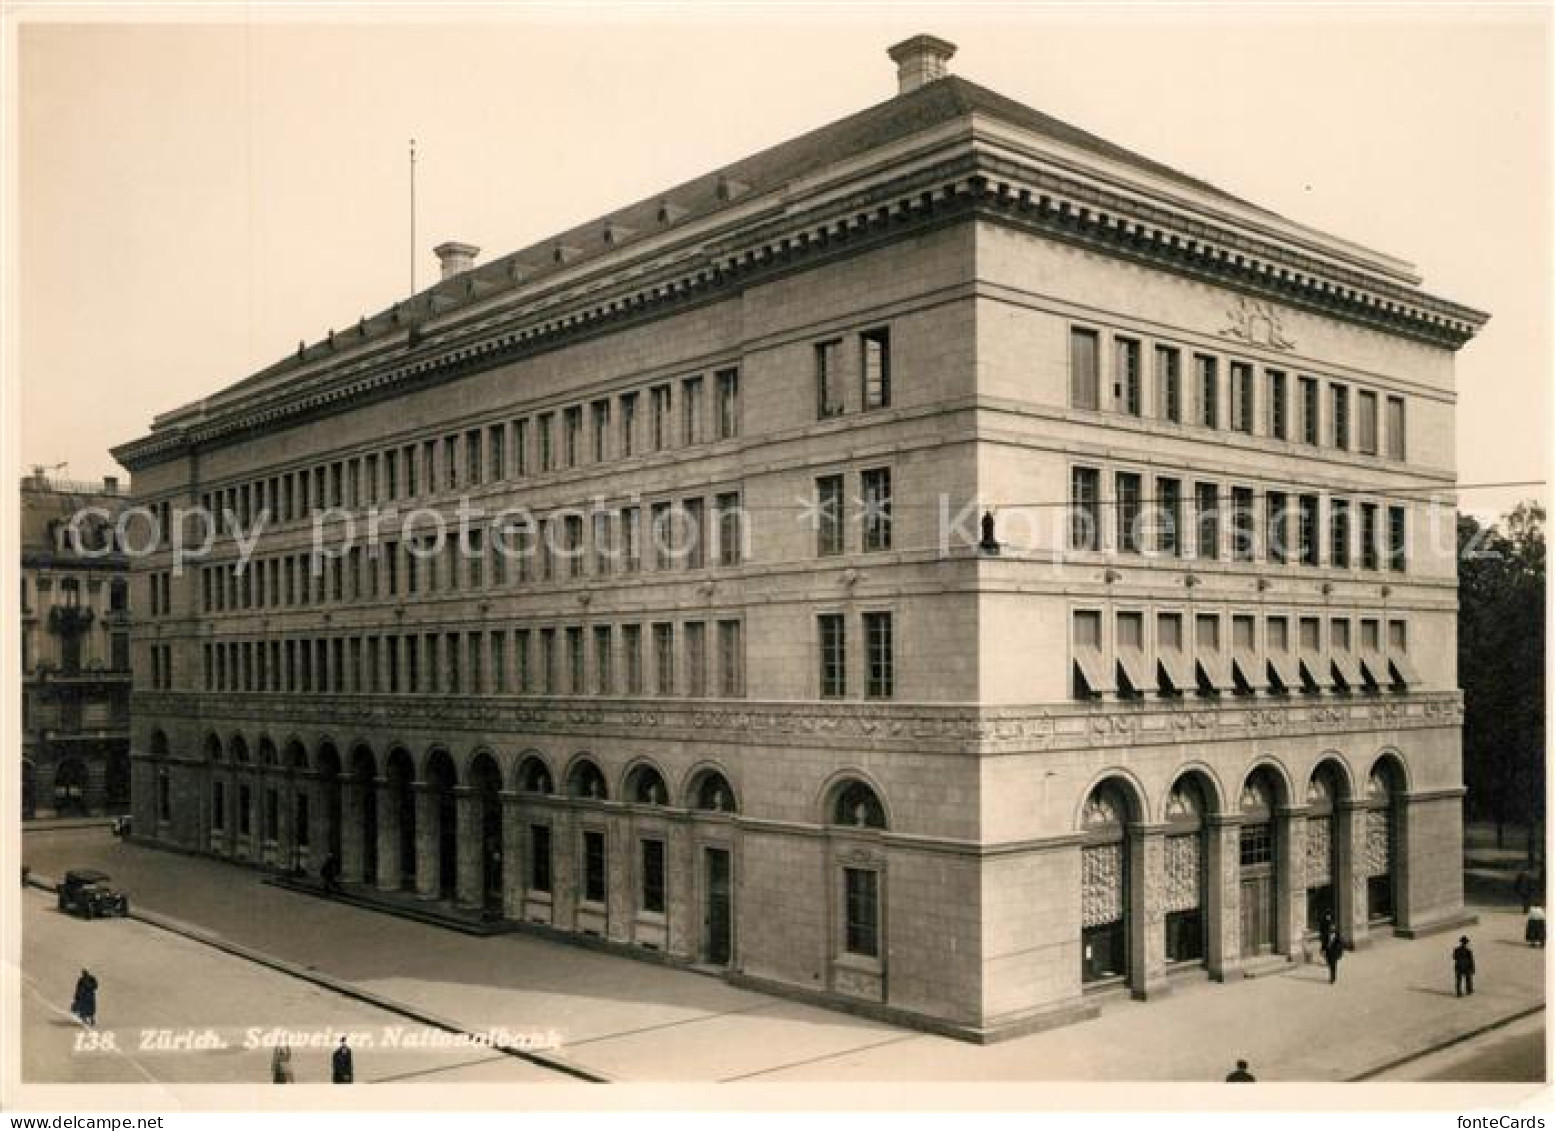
x=364, y=771
x=401, y=778
x=487, y=780
x=441, y=776
x=116, y=783
x=720, y=907
x=70, y=787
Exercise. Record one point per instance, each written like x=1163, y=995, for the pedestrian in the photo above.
x=1241, y=1075
x=84, y=1004
x=1463, y=967
x=1535, y=931
x=1523, y=886
x=281, y=1064
x=1332, y=953
x=329, y=872
x=340, y=1064
x=1325, y=931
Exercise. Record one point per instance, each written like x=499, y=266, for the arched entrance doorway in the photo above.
x=486, y=780
x=401, y=774
x=1258, y=874
x=301, y=807
x=1324, y=792
x=441, y=778
x=1383, y=785
x=1183, y=901
x=364, y=781
x=1105, y=884
x=70, y=782
x=327, y=764
x=116, y=780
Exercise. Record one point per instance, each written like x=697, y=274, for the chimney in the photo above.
x=110, y=484
x=455, y=257
x=920, y=60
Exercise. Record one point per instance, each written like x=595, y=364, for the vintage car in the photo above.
x=86, y=892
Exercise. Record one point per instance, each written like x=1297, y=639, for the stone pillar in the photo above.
x=515, y=857
x=467, y=813
x=1351, y=910
x=1290, y=880
x=388, y=836
x=427, y=840
x=1223, y=897
x=285, y=839
x=1146, y=848
x=351, y=846
x=318, y=816
x=1406, y=911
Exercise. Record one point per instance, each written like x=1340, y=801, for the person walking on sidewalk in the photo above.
x=84, y=1004
x=1325, y=931
x=341, y=1069
x=1463, y=968
x=1241, y=1075
x=1333, y=951
x=1523, y=886
x=329, y=872
x=281, y=1064
x=1534, y=934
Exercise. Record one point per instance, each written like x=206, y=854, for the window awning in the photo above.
x=1314, y=668
x=1374, y=669
x=1093, y=670
x=1135, y=669
x=1286, y=669
x=1216, y=670
x=1403, y=670
x=1178, y=670
x=1346, y=667
x=1245, y=665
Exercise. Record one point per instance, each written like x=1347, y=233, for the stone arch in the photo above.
x=483, y=760
x=708, y=789
x=1379, y=860
x=440, y=755
x=585, y=779
x=533, y=774
x=1130, y=788
x=268, y=758
x=237, y=749
x=214, y=751
x=1391, y=760
x=296, y=754
x=1108, y=821
x=1285, y=792
x=852, y=799
x=1334, y=764
x=1207, y=782
x=643, y=784
x=363, y=763
x=1190, y=801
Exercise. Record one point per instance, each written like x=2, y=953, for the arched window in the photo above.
x=1323, y=793
x=533, y=777
x=646, y=787
x=1104, y=884
x=1382, y=784
x=587, y=781
x=213, y=750
x=159, y=742
x=1259, y=848
x=857, y=805
x=1185, y=862
x=239, y=749
x=713, y=794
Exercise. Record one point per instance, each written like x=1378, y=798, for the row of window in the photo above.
x=607, y=428
x=600, y=659
x=68, y=592
x=1225, y=393
x=1173, y=653
x=680, y=536
x=1245, y=525
x=872, y=355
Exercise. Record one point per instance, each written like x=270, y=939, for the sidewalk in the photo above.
x=637, y=1021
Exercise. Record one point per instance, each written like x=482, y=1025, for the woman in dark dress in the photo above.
x=84, y=1005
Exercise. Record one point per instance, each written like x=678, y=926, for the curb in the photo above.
x=1456, y=1039
x=345, y=989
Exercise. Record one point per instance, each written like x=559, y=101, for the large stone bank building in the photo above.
x=1190, y=689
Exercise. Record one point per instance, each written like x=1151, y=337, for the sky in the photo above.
x=193, y=199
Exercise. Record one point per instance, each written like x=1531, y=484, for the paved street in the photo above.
x=1512, y=1053
x=638, y=1021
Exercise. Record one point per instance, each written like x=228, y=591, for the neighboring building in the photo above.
x=831, y=753
x=75, y=650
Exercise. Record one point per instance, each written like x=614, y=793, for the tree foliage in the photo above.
x=1501, y=665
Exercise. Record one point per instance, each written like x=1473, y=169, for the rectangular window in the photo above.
x=1242, y=397
x=1310, y=432
x=521, y=448
x=1129, y=512
x=833, y=655
x=728, y=404
x=877, y=508
x=549, y=676
x=450, y=463
x=1306, y=529
x=694, y=522
x=661, y=417
x=880, y=673
x=521, y=656
x=1243, y=524
x=1125, y=375
x=828, y=516
x=593, y=867
x=496, y=451
x=600, y=425
x=1339, y=533
x=1085, y=509
x=1398, y=545
x=473, y=466
x=540, y=858
x=572, y=436
x=499, y=661
x=731, y=535
x=828, y=380
x=1395, y=428
x=631, y=538
x=572, y=541
x=1279, y=425
x=1206, y=518
x=1339, y=400
x=632, y=657
x=1369, y=532
x=628, y=431
x=1366, y=423
x=875, y=359
x=1168, y=383
x=653, y=877
x=664, y=658
x=731, y=660
x=604, y=677
x=604, y=554
x=1276, y=526
x=1168, y=538
x=1207, y=388
x=575, y=662
x=659, y=530
x=862, y=896
x=1084, y=373
x=691, y=411
x=543, y=440
x=696, y=659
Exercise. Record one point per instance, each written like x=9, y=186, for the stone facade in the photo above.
x=852, y=765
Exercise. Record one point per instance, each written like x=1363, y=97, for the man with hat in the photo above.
x=1463, y=967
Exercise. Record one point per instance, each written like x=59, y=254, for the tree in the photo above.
x=1501, y=667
